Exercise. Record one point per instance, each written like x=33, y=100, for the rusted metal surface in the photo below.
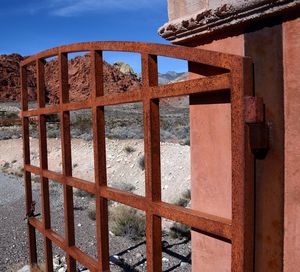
x=242, y=170
x=232, y=76
x=259, y=130
x=254, y=109
x=260, y=139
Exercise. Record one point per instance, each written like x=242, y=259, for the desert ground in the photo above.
x=125, y=171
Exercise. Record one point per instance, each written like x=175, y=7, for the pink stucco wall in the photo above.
x=211, y=168
x=291, y=58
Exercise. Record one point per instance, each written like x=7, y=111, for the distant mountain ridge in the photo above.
x=163, y=78
x=170, y=77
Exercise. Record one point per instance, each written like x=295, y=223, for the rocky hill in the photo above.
x=9, y=78
x=171, y=76
x=118, y=77
x=115, y=80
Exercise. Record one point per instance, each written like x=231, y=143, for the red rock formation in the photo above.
x=10, y=78
x=79, y=79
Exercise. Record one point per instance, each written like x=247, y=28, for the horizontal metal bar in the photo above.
x=60, y=178
x=47, y=110
x=80, y=105
x=81, y=184
x=195, y=86
x=32, y=169
x=53, y=176
x=129, y=199
x=108, y=100
x=37, y=224
x=203, y=222
x=56, y=238
x=132, y=96
x=87, y=261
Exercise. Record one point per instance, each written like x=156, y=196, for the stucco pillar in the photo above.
x=268, y=32
x=210, y=155
x=291, y=60
x=211, y=167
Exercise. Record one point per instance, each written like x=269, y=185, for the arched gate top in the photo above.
x=197, y=55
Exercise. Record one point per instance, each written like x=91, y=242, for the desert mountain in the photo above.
x=170, y=77
x=118, y=77
x=115, y=79
x=9, y=78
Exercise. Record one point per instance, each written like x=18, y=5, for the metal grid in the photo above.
x=227, y=74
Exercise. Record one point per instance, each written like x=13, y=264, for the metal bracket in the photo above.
x=258, y=128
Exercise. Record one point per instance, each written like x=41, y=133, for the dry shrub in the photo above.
x=125, y=221
x=126, y=187
x=185, y=199
x=81, y=193
x=129, y=149
x=180, y=231
x=92, y=214
x=141, y=162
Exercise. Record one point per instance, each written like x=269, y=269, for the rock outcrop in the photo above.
x=10, y=78
x=125, y=68
x=115, y=81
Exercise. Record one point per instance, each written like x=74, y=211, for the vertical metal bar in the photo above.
x=66, y=158
x=40, y=66
x=97, y=74
x=152, y=162
x=242, y=170
x=100, y=161
x=24, y=92
x=63, y=78
x=27, y=175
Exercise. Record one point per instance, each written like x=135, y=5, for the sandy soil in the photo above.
x=122, y=167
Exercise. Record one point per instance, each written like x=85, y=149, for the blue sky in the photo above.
x=30, y=26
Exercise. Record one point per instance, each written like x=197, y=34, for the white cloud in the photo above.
x=77, y=7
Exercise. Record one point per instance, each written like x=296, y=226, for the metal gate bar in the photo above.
x=235, y=79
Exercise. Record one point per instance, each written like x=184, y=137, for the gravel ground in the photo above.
x=126, y=254
x=13, y=245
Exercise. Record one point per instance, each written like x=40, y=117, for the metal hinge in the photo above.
x=259, y=129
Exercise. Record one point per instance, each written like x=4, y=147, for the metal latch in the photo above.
x=259, y=129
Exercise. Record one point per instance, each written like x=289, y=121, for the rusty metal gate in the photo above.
x=229, y=76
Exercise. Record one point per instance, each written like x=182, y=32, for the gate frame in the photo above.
x=233, y=78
